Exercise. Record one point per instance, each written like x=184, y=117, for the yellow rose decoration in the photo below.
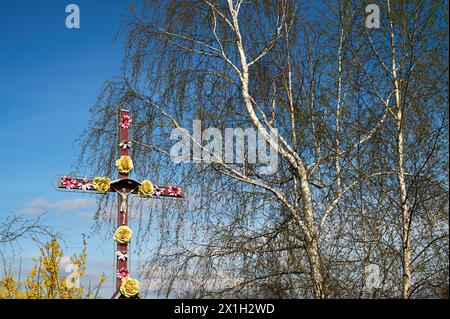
x=124, y=164
x=101, y=184
x=129, y=287
x=123, y=235
x=146, y=188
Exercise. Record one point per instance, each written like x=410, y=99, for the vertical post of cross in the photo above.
x=122, y=218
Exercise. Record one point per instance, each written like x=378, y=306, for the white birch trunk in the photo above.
x=311, y=243
x=405, y=209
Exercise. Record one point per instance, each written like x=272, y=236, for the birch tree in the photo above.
x=318, y=87
x=409, y=51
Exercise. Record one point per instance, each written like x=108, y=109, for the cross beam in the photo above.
x=86, y=184
x=123, y=186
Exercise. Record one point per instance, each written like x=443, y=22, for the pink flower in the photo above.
x=85, y=184
x=126, y=144
x=122, y=273
x=122, y=255
x=158, y=191
x=168, y=191
x=126, y=121
x=174, y=191
x=68, y=182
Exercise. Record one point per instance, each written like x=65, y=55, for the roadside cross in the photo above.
x=126, y=287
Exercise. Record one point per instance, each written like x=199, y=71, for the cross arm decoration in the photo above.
x=87, y=184
x=126, y=287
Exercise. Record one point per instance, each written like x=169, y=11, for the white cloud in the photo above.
x=72, y=204
x=36, y=207
x=64, y=262
x=40, y=205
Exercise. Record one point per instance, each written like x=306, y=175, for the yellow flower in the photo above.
x=146, y=188
x=129, y=287
x=124, y=164
x=123, y=234
x=101, y=184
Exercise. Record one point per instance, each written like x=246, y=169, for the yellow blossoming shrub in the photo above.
x=123, y=234
x=146, y=188
x=129, y=287
x=124, y=164
x=101, y=184
x=44, y=282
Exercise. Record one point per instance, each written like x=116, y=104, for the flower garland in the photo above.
x=122, y=273
x=101, y=184
x=85, y=184
x=129, y=287
x=124, y=164
x=146, y=188
x=123, y=235
x=126, y=121
x=174, y=191
x=125, y=145
x=122, y=255
x=68, y=182
x=168, y=191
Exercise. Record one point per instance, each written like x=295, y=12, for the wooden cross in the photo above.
x=123, y=186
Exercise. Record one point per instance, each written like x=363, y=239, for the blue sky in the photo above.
x=49, y=77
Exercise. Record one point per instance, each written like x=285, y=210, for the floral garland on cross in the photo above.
x=129, y=287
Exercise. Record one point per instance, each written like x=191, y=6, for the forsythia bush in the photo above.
x=44, y=282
